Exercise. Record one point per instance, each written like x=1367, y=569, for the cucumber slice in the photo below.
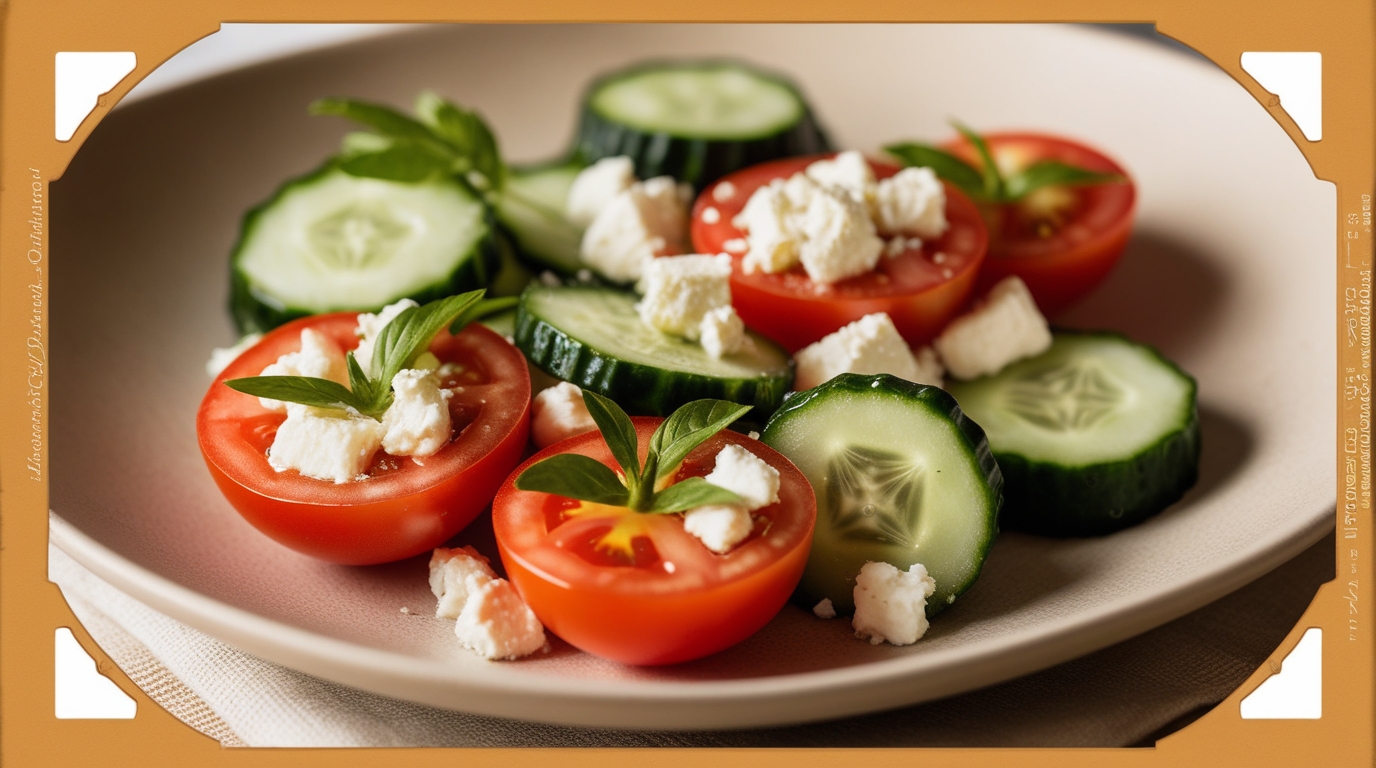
x=531, y=208
x=696, y=121
x=1096, y=434
x=593, y=337
x=901, y=477
x=329, y=241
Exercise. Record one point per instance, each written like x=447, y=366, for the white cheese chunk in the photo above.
x=680, y=290
x=325, y=443
x=647, y=220
x=868, y=345
x=370, y=325
x=595, y=186
x=454, y=575
x=797, y=220
x=319, y=357
x=839, y=240
x=1006, y=326
x=417, y=422
x=747, y=475
x=772, y=239
x=720, y=527
x=558, y=413
x=496, y=624
x=911, y=202
x=221, y=357
x=721, y=332
x=848, y=170
x=890, y=605
x=824, y=609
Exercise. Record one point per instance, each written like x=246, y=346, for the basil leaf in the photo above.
x=410, y=333
x=618, y=431
x=465, y=132
x=943, y=163
x=384, y=119
x=688, y=428
x=993, y=180
x=482, y=309
x=359, y=383
x=306, y=390
x=576, y=477
x=402, y=161
x=1046, y=173
x=691, y=493
x=362, y=143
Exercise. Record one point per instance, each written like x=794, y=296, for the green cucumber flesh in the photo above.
x=593, y=337
x=901, y=477
x=531, y=208
x=1096, y=434
x=695, y=120
x=330, y=241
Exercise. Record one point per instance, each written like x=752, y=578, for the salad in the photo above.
x=764, y=370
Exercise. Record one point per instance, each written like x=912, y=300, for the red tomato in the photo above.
x=405, y=506
x=1062, y=241
x=921, y=289
x=663, y=597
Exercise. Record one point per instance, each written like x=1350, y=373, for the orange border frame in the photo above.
x=30, y=607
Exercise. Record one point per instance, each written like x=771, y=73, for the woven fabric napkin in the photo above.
x=1125, y=695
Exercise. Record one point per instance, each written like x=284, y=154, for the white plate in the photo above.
x=1229, y=272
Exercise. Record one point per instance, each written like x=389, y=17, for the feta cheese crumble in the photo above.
x=722, y=332
x=454, y=575
x=496, y=624
x=558, y=413
x=824, y=609
x=319, y=357
x=796, y=220
x=370, y=325
x=417, y=423
x=890, y=605
x=747, y=475
x=681, y=290
x=221, y=357
x=848, y=170
x=720, y=527
x=648, y=219
x=911, y=202
x=595, y=186
x=869, y=345
x=490, y=617
x=1004, y=327
x=325, y=443
x=839, y=240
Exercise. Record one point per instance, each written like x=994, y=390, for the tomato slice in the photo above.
x=406, y=506
x=1062, y=241
x=920, y=288
x=661, y=596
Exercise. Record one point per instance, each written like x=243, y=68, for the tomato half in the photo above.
x=662, y=597
x=405, y=506
x=920, y=288
x=1062, y=241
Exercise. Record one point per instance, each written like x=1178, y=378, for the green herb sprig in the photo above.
x=987, y=183
x=442, y=140
x=398, y=345
x=579, y=477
